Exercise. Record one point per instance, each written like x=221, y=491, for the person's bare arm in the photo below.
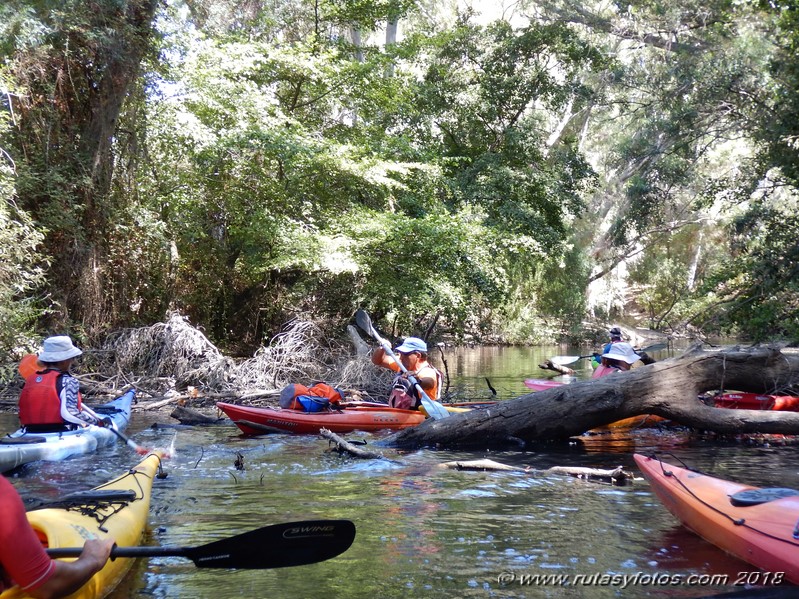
x=70, y=576
x=381, y=358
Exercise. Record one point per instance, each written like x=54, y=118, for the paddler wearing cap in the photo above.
x=615, y=337
x=51, y=399
x=413, y=355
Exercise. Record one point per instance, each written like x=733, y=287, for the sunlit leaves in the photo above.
x=434, y=265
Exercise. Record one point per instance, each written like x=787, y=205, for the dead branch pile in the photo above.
x=295, y=355
x=168, y=355
x=174, y=361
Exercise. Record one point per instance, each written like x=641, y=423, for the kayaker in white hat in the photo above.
x=413, y=355
x=51, y=399
x=618, y=359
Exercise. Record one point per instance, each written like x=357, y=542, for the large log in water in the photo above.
x=668, y=388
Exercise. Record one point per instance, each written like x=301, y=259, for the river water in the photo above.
x=422, y=530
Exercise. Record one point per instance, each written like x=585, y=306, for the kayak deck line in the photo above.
x=122, y=517
x=757, y=525
x=104, y=507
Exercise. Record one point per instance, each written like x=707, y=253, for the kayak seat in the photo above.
x=758, y=496
x=24, y=440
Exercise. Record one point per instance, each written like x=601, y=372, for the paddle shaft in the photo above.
x=274, y=546
x=128, y=441
x=563, y=360
x=434, y=409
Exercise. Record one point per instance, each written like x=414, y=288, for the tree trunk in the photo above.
x=668, y=389
x=391, y=40
x=76, y=86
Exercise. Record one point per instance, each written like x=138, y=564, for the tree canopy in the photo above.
x=501, y=178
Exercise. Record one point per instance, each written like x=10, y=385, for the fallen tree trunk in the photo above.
x=668, y=388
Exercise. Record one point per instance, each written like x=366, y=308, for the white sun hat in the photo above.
x=622, y=351
x=56, y=349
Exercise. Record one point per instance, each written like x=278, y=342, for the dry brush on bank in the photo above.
x=173, y=361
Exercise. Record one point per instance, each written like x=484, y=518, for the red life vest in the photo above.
x=39, y=402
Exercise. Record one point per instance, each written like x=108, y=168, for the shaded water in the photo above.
x=422, y=531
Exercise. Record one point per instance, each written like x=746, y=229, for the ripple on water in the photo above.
x=439, y=533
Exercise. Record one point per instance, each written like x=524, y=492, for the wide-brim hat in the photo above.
x=623, y=352
x=412, y=344
x=57, y=349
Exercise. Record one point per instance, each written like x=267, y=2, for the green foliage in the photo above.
x=778, y=117
x=661, y=284
x=559, y=288
x=439, y=265
x=22, y=272
x=756, y=291
x=489, y=90
x=266, y=165
x=22, y=267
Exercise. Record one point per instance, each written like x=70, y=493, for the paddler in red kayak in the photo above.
x=413, y=355
x=51, y=399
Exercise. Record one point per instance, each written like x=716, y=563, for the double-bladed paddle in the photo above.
x=275, y=546
x=563, y=360
x=434, y=409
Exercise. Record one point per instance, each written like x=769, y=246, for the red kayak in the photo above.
x=257, y=421
x=759, y=526
x=755, y=401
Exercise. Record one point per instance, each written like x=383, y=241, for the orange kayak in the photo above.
x=257, y=421
x=640, y=421
x=759, y=526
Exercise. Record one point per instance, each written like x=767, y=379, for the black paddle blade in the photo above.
x=277, y=546
x=362, y=320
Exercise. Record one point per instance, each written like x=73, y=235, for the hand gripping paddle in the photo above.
x=434, y=409
x=275, y=546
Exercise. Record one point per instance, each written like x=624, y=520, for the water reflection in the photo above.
x=422, y=530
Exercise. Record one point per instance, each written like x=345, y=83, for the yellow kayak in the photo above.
x=118, y=509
